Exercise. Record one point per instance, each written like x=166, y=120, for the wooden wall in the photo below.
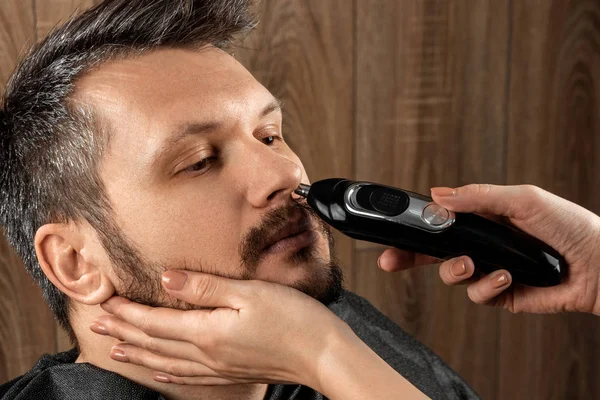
x=412, y=93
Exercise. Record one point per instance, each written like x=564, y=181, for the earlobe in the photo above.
x=62, y=253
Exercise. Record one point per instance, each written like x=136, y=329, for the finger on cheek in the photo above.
x=488, y=288
x=174, y=280
x=456, y=270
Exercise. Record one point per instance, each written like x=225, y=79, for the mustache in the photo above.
x=251, y=247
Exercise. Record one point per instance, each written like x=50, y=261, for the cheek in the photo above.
x=186, y=228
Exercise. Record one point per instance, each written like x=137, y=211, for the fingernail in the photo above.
x=458, y=268
x=174, y=280
x=161, y=378
x=443, y=191
x=500, y=280
x=98, y=328
x=379, y=262
x=118, y=354
x=106, y=307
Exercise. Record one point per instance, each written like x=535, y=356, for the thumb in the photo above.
x=483, y=199
x=205, y=290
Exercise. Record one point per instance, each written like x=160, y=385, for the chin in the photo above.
x=286, y=272
x=307, y=271
x=296, y=263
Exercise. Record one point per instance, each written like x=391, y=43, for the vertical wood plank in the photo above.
x=17, y=28
x=553, y=142
x=26, y=324
x=431, y=93
x=302, y=52
x=49, y=13
x=431, y=108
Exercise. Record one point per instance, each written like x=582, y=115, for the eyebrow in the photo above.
x=197, y=128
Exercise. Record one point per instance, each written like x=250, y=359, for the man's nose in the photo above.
x=272, y=178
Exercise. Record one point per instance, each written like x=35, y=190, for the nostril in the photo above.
x=273, y=195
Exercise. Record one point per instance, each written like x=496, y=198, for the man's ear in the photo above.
x=66, y=254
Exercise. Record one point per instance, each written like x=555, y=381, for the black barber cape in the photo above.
x=58, y=377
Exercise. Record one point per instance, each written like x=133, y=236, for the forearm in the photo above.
x=349, y=370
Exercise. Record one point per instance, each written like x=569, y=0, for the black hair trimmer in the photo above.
x=410, y=221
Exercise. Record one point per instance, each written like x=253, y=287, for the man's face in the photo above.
x=199, y=176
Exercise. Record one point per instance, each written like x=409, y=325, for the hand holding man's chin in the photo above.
x=247, y=332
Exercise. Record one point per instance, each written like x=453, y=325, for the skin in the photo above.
x=570, y=229
x=183, y=212
x=244, y=340
x=237, y=344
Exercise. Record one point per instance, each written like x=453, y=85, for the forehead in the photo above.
x=170, y=86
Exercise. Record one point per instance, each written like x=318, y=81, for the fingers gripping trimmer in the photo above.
x=413, y=222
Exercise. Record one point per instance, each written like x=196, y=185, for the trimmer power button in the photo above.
x=435, y=215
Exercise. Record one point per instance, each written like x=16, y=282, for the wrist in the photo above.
x=336, y=343
x=322, y=347
x=349, y=369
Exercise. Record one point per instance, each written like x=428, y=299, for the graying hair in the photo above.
x=50, y=147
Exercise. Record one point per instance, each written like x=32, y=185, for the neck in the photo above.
x=95, y=349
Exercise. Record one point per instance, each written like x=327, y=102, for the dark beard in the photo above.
x=326, y=282
x=141, y=277
x=327, y=286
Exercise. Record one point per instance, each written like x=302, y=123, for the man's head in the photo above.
x=131, y=143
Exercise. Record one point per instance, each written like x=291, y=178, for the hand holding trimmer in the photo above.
x=413, y=222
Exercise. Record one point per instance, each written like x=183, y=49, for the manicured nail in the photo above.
x=443, y=191
x=499, y=280
x=174, y=280
x=118, y=354
x=161, y=378
x=98, y=328
x=458, y=268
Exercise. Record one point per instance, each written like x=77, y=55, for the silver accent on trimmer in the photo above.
x=302, y=190
x=421, y=213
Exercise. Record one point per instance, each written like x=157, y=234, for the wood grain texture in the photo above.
x=302, y=53
x=431, y=96
x=553, y=142
x=413, y=93
x=26, y=324
x=17, y=29
x=50, y=13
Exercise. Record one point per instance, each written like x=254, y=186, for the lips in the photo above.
x=289, y=231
